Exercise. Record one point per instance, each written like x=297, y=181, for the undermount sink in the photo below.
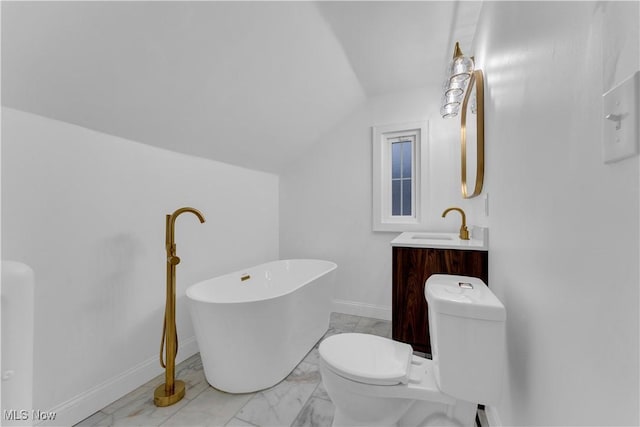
x=432, y=237
x=428, y=239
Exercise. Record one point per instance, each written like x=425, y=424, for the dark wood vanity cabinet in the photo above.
x=411, y=268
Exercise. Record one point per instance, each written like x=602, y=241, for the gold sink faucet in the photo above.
x=464, y=232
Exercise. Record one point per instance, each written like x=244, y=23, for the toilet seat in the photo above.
x=341, y=359
x=367, y=359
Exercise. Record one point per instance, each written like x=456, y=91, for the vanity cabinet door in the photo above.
x=411, y=268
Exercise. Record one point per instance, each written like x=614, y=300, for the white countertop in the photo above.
x=437, y=240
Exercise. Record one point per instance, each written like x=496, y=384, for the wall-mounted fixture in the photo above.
x=456, y=80
x=621, y=129
x=464, y=87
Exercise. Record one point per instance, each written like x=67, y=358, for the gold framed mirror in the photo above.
x=472, y=137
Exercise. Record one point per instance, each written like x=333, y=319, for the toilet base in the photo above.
x=420, y=414
x=340, y=419
x=424, y=413
x=359, y=404
x=370, y=411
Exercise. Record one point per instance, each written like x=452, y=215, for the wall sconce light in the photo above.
x=456, y=80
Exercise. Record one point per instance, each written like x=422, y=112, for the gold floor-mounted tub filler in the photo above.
x=172, y=390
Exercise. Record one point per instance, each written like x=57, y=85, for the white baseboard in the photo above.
x=85, y=404
x=492, y=416
x=361, y=309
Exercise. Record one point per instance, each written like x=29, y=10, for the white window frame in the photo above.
x=382, y=138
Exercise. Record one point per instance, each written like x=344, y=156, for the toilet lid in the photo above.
x=368, y=359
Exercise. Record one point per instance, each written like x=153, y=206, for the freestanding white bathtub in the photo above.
x=255, y=325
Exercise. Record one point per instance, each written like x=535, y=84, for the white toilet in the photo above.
x=375, y=381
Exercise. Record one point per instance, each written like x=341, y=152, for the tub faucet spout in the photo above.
x=170, y=243
x=171, y=225
x=464, y=232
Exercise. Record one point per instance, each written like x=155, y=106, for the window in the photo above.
x=402, y=191
x=399, y=153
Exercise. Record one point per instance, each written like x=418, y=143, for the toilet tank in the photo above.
x=467, y=328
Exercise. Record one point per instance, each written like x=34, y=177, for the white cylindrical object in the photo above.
x=16, y=370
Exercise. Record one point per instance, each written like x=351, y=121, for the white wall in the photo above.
x=87, y=212
x=326, y=197
x=564, y=245
x=174, y=73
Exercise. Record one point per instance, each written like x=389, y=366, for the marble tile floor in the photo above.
x=298, y=400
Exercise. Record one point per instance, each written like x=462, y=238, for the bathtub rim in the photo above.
x=332, y=266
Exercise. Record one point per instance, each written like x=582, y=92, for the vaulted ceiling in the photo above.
x=247, y=83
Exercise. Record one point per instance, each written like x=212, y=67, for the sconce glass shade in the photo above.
x=446, y=114
x=456, y=79
x=474, y=105
x=460, y=69
x=453, y=88
x=450, y=109
x=452, y=96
